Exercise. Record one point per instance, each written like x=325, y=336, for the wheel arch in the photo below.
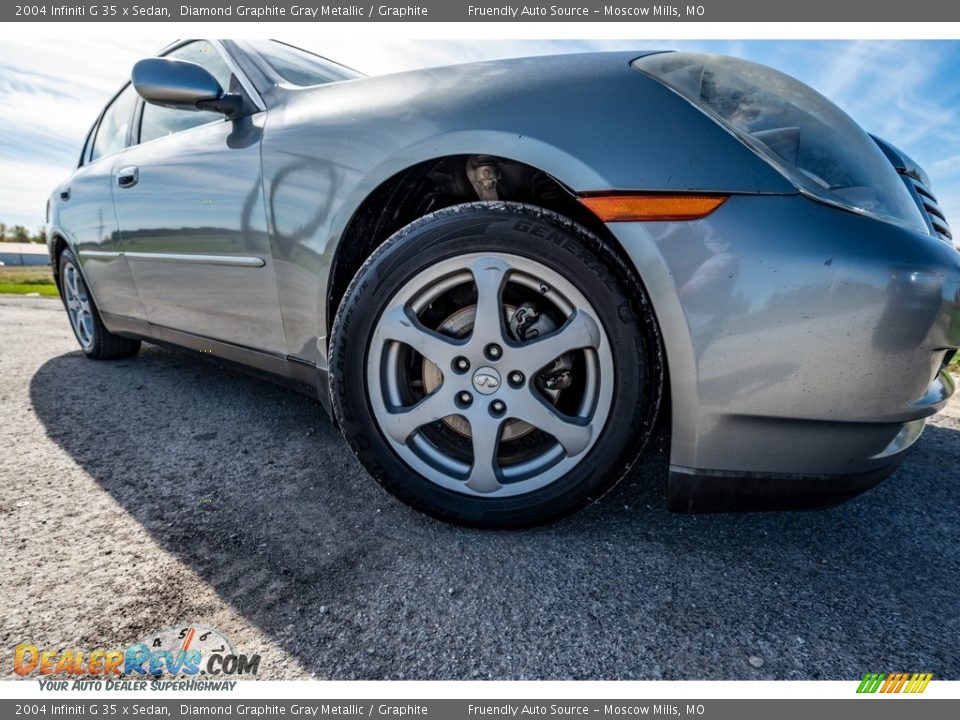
x=391, y=203
x=58, y=243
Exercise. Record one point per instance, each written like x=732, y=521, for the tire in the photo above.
x=95, y=340
x=414, y=336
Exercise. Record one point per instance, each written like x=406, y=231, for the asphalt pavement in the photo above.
x=161, y=490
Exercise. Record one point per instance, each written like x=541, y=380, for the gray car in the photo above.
x=501, y=277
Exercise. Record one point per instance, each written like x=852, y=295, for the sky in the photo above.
x=50, y=94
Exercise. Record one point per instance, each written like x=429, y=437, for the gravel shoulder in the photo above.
x=149, y=492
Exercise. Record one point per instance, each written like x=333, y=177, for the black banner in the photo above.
x=479, y=11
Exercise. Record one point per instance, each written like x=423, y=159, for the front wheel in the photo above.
x=496, y=365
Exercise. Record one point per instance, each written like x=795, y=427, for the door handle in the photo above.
x=128, y=176
x=65, y=194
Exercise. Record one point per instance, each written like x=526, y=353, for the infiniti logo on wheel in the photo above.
x=486, y=380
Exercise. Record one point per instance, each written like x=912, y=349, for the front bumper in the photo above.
x=805, y=344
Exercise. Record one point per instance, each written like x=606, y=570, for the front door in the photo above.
x=192, y=223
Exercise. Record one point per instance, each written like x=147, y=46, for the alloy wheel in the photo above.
x=78, y=306
x=490, y=374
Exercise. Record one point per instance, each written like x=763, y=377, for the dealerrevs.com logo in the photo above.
x=186, y=651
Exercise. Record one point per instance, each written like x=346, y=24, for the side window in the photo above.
x=112, y=133
x=159, y=121
x=85, y=155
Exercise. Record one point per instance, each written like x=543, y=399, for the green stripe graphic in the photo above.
x=871, y=682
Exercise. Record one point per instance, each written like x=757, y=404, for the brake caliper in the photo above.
x=528, y=323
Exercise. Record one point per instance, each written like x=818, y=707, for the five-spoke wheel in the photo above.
x=94, y=338
x=493, y=378
x=480, y=357
x=78, y=306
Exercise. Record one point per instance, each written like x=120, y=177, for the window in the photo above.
x=112, y=133
x=159, y=121
x=299, y=66
x=85, y=155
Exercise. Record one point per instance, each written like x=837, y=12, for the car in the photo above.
x=501, y=278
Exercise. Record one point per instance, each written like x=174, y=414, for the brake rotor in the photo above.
x=459, y=324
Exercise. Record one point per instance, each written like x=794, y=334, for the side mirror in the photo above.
x=181, y=85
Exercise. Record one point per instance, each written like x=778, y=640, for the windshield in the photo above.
x=300, y=67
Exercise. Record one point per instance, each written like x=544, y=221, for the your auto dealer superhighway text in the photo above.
x=305, y=11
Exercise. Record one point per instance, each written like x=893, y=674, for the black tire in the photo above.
x=566, y=248
x=101, y=344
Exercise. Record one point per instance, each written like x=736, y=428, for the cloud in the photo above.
x=50, y=95
x=20, y=182
x=948, y=167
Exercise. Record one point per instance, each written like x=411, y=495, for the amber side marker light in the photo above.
x=633, y=208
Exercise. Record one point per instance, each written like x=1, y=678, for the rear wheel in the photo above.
x=495, y=365
x=95, y=340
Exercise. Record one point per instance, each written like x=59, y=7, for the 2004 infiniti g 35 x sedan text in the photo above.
x=498, y=275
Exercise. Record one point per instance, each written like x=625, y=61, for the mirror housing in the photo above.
x=181, y=85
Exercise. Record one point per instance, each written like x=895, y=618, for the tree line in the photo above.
x=21, y=234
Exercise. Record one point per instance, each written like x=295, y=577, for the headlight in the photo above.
x=805, y=136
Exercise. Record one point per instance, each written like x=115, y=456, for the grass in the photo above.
x=27, y=280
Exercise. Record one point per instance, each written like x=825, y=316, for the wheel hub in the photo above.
x=460, y=324
x=486, y=381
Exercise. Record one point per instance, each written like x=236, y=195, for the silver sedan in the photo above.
x=502, y=277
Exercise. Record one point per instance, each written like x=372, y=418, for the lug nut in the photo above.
x=498, y=407
x=461, y=364
x=494, y=351
x=464, y=398
x=515, y=378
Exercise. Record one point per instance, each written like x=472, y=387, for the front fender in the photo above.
x=590, y=121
